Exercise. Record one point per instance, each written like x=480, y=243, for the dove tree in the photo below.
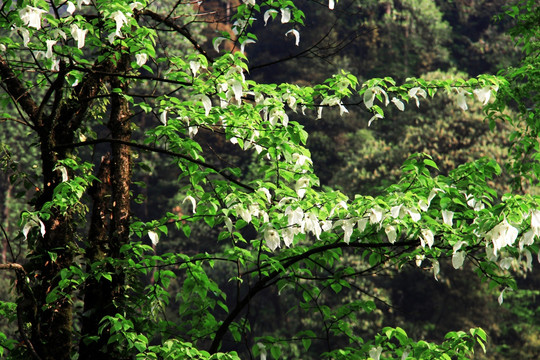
x=81, y=78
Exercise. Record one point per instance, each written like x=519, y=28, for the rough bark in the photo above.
x=109, y=228
x=96, y=290
x=6, y=202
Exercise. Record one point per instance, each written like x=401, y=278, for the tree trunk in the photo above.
x=109, y=230
x=6, y=201
x=52, y=326
x=97, y=299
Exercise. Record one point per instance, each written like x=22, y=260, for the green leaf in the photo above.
x=186, y=229
x=336, y=287
x=141, y=347
x=53, y=256
x=429, y=162
x=374, y=259
x=276, y=352
x=51, y=297
x=306, y=343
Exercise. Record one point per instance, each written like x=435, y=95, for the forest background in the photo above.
x=434, y=40
x=401, y=39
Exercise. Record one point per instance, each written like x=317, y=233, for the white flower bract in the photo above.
x=436, y=269
x=375, y=215
x=296, y=35
x=78, y=34
x=414, y=214
x=362, y=223
x=374, y=117
x=415, y=92
x=55, y=66
x=399, y=104
x=217, y=42
x=80, y=3
x=25, y=35
x=120, y=20
x=243, y=45
x=271, y=236
x=375, y=353
x=535, y=222
x=391, y=233
x=288, y=235
x=193, y=203
x=396, y=212
x=419, y=258
x=70, y=8
x=301, y=186
x=348, y=227
x=483, y=94
x=285, y=15
x=447, y=216
x=311, y=224
x=31, y=16
x=154, y=238
x=426, y=238
x=462, y=99
x=268, y=14
x=163, y=117
x=457, y=259
x=50, y=44
x=141, y=59
x=503, y=234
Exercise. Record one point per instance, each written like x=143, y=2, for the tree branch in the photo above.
x=160, y=151
x=12, y=266
x=262, y=283
x=181, y=29
x=8, y=243
x=25, y=290
x=21, y=274
x=17, y=91
x=131, y=76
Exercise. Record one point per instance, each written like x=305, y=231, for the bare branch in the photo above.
x=15, y=120
x=12, y=266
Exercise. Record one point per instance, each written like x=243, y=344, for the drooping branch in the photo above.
x=180, y=29
x=124, y=75
x=297, y=55
x=160, y=151
x=316, y=49
x=262, y=283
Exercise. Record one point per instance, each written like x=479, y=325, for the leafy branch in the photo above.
x=159, y=151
